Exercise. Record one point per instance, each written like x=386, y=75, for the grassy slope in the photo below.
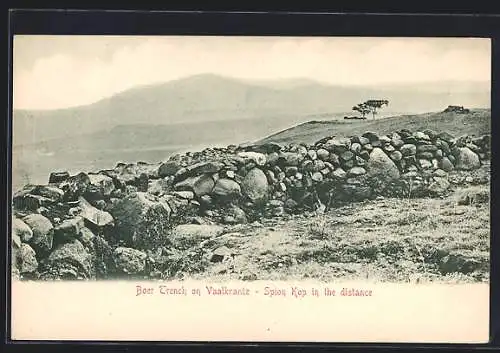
x=478, y=122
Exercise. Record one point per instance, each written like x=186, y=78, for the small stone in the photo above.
x=312, y=154
x=339, y=173
x=356, y=171
x=346, y=156
x=396, y=156
x=425, y=164
x=317, y=177
x=440, y=173
x=323, y=154
x=356, y=148
x=408, y=150
x=187, y=195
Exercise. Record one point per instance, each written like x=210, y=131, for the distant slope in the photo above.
x=478, y=122
x=209, y=97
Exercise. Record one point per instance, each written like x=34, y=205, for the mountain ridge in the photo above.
x=210, y=97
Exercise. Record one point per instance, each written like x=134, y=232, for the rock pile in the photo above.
x=98, y=225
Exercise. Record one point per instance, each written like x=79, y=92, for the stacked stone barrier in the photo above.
x=93, y=225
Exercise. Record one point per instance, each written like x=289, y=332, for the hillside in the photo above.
x=209, y=97
x=477, y=123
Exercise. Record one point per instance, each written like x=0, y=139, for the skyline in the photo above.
x=53, y=72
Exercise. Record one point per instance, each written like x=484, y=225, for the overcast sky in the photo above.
x=62, y=71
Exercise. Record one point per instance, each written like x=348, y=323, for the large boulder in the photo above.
x=68, y=230
x=68, y=261
x=101, y=185
x=226, y=188
x=169, y=168
x=466, y=159
x=255, y=185
x=25, y=199
x=50, y=192
x=93, y=215
x=381, y=167
x=129, y=261
x=43, y=233
x=200, y=185
x=141, y=220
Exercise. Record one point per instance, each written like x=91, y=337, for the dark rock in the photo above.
x=289, y=171
x=425, y=155
x=346, y=156
x=68, y=230
x=169, y=168
x=58, y=177
x=272, y=158
x=75, y=186
x=465, y=261
x=141, y=220
x=129, y=261
x=426, y=148
x=371, y=136
x=68, y=261
x=365, y=155
x=199, y=168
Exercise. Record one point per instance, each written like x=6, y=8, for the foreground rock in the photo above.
x=68, y=261
x=141, y=220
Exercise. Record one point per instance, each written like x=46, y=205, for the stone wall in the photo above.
x=95, y=225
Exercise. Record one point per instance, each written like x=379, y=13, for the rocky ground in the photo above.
x=389, y=239
x=406, y=206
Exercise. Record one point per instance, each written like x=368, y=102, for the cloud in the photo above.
x=56, y=72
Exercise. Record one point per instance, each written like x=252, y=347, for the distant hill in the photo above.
x=477, y=122
x=207, y=97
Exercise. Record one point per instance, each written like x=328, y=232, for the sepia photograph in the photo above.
x=240, y=159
